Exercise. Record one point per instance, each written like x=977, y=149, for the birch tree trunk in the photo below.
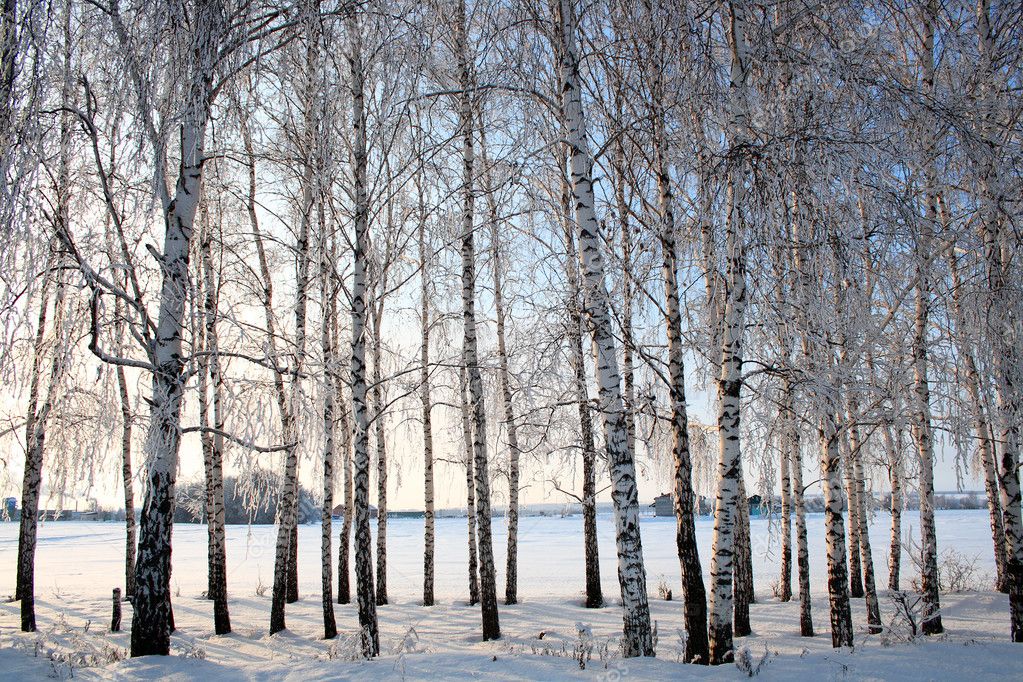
x=728, y=501
x=488, y=579
x=151, y=619
x=743, y=584
x=855, y=571
x=35, y=442
x=377, y=394
x=862, y=517
x=730, y=539
x=895, y=480
x=925, y=450
x=127, y=478
x=625, y=231
x=921, y=385
x=38, y=414
x=1006, y=364
x=285, y=588
x=785, y=484
x=213, y=443
x=345, y=541
x=284, y=409
x=504, y=385
x=127, y=484
x=591, y=550
x=637, y=639
x=328, y=301
x=424, y=398
x=470, y=487
x=684, y=498
x=818, y=366
x=127, y=419
x=363, y=538
x=981, y=427
x=32, y=477
x=838, y=585
x=795, y=454
x=999, y=253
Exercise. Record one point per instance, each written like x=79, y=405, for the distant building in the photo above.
x=338, y=512
x=406, y=514
x=664, y=505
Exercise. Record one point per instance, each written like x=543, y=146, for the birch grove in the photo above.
x=735, y=263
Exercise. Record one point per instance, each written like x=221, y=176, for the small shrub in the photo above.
x=609, y=651
x=347, y=648
x=957, y=572
x=663, y=591
x=749, y=665
x=907, y=616
x=194, y=651
x=681, y=640
x=409, y=643
x=584, y=646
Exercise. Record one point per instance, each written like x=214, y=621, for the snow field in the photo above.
x=78, y=564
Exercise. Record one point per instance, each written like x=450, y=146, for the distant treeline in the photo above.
x=248, y=500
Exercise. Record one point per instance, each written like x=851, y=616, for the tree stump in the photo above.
x=115, y=618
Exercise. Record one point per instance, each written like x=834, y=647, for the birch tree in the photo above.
x=631, y=571
x=504, y=381
x=684, y=497
x=998, y=250
x=922, y=433
x=729, y=503
x=211, y=378
x=202, y=35
x=328, y=301
x=363, y=540
x=466, y=117
x=429, y=524
x=591, y=549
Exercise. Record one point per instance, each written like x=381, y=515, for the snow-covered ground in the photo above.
x=78, y=564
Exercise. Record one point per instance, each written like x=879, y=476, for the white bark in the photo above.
x=151, y=620
x=363, y=539
x=637, y=639
x=328, y=302
x=722, y=567
x=922, y=433
x=424, y=397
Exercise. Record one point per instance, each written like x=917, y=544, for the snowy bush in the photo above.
x=347, y=648
x=907, y=615
x=663, y=591
x=584, y=646
x=957, y=572
x=681, y=639
x=609, y=651
x=746, y=663
x=408, y=644
x=194, y=651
